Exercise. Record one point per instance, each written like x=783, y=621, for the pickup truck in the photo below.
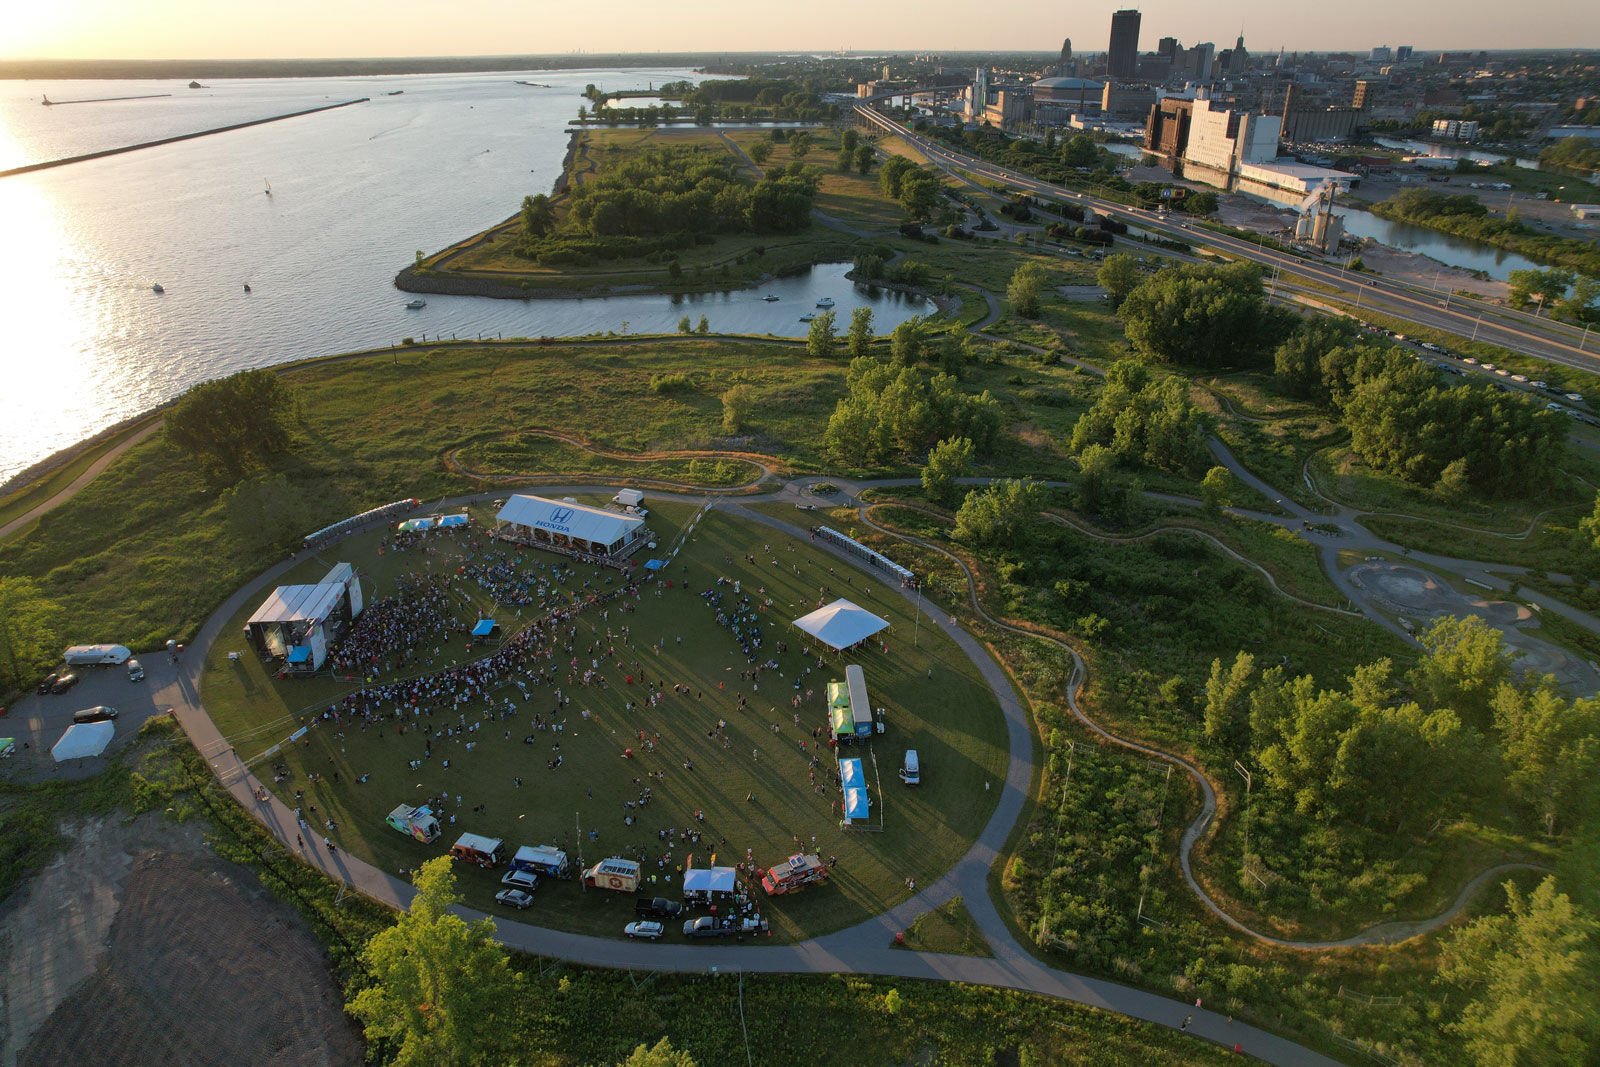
x=706, y=926
x=657, y=908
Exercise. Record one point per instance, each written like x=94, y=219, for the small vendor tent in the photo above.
x=485, y=628
x=857, y=807
x=8, y=747
x=840, y=721
x=841, y=625
x=709, y=880
x=84, y=739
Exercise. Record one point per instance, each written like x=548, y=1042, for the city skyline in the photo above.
x=192, y=29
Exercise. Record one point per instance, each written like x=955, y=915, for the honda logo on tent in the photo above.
x=561, y=516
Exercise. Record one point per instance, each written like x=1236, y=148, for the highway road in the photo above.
x=1516, y=331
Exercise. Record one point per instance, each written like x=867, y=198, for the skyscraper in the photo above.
x=1122, y=60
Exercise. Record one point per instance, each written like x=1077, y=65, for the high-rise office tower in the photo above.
x=1122, y=60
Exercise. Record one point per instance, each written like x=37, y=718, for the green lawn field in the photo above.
x=934, y=700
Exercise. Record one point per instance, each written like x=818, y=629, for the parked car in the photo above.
x=58, y=682
x=657, y=908
x=514, y=898
x=98, y=713
x=135, y=671
x=706, y=926
x=647, y=930
x=520, y=880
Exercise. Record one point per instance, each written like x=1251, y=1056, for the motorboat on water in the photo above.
x=158, y=288
x=417, y=303
x=770, y=298
x=247, y=287
x=807, y=318
x=825, y=302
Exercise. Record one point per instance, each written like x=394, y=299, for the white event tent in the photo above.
x=84, y=739
x=841, y=625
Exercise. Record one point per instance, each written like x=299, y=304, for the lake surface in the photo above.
x=1447, y=249
x=355, y=193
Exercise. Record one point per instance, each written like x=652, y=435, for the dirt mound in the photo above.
x=202, y=967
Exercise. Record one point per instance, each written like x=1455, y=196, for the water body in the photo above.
x=1447, y=249
x=1454, y=151
x=355, y=192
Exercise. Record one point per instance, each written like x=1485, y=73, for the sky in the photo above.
x=213, y=29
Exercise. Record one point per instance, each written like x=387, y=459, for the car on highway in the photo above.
x=1489, y=366
x=59, y=682
x=806, y=507
x=1519, y=377
x=1576, y=398
x=1469, y=359
x=1502, y=372
x=706, y=926
x=514, y=898
x=1539, y=384
x=645, y=930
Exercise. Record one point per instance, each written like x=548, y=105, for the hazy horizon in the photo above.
x=402, y=29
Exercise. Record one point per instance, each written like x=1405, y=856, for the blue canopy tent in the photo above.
x=485, y=628
x=454, y=520
x=857, y=808
x=300, y=654
x=654, y=564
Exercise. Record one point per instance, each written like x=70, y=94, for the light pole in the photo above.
x=1249, y=780
x=1478, y=323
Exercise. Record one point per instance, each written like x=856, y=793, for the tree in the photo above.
x=703, y=327
x=1551, y=749
x=1080, y=151
x=661, y=1055
x=846, y=161
x=820, y=339
x=1143, y=419
x=1589, y=527
x=538, y=217
x=1000, y=514
x=442, y=991
x=1096, y=466
x=908, y=342
x=736, y=405
x=1227, y=711
x=1464, y=663
x=685, y=326
x=919, y=194
x=761, y=151
x=1025, y=289
x=892, y=173
x=1118, y=276
x=864, y=158
x=1454, y=482
x=1203, y=316
x=30, y=638
x=799, y=144
x=1216, y=488
x=1543, y=286
x=860, y=332
x=1578, y=305
x=228, y=424
x=849, y=140
x=1531, y=976
x=1298, y=361
x=947, y=461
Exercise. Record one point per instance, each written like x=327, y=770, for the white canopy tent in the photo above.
x=84, y=739
x=565, y=524
x=841, y=625
x=710, y=880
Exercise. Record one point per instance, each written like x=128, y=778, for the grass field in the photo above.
x=934, y=700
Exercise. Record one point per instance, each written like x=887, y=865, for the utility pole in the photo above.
x=1249, y=780
x=916, y=626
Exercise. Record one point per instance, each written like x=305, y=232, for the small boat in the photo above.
x=825, y=302
x=158, y=288
x=247, y=287
x=397, y=92
x=269, y=187
x=807, y=318
x=417, y=303
x=769, y=298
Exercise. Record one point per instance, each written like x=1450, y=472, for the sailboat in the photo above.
x=269, y=187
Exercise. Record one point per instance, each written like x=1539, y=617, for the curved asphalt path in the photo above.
x=861, y=949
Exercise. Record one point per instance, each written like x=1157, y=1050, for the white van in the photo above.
x=911, y=770
x=96, y=655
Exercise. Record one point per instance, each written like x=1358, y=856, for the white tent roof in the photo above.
x=296, y=603
x=84, y=739
x=709, y=880
x=841, y=624
x=596, y=525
